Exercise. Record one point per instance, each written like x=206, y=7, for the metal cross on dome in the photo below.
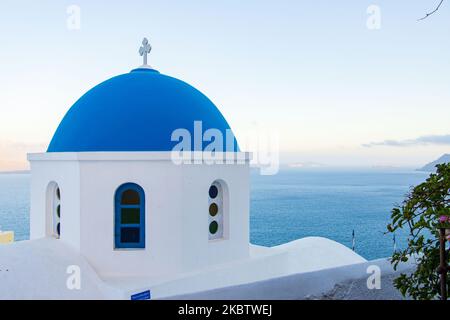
x=145, y=50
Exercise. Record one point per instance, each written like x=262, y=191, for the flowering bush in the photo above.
x=444, y=222
x=425, y=210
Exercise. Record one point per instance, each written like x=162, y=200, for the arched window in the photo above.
x=57, y=212
x=129, y=230
x=53, y=210
x=216, y=211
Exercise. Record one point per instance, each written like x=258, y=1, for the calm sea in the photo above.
x=293, y=204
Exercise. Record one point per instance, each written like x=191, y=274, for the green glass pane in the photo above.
x=130, y=216
x=213, y=209
x=213, y=227
x=130, y=197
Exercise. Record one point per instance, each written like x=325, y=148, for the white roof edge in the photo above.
x=228, y=157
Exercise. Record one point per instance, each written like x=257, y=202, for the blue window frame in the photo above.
x=129, y=229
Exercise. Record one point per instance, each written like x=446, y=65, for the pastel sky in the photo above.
x=337, y=92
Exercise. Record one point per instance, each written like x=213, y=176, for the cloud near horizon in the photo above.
x=13, y=155
x=423, y=140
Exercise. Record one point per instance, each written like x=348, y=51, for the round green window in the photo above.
x=213, y=209
x=213, y=227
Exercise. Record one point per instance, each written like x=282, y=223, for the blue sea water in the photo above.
x=15, y=204
x=297, y=203
x=293, y=204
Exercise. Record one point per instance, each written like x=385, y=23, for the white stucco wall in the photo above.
x=160, y=181
x=197, y=251
x=67, y=175
x=176, y=210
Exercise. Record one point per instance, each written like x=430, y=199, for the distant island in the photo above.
x=15, y=172
x=305, y=165
x=431, y=167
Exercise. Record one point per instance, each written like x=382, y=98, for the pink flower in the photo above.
x=443, y=219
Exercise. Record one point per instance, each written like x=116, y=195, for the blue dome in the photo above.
x=137, y=111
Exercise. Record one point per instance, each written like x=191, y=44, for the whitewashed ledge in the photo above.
x=342, y=283
x=308, y=268
x=139, y=156
x=37, y=269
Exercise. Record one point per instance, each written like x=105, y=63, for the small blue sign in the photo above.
x=145, y=295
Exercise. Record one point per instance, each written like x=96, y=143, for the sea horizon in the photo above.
x=331, y=202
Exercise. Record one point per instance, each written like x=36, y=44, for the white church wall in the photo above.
x=161, y=184
x=176, y=238
x=46, y=172
x=176, y=205
x=199, y=251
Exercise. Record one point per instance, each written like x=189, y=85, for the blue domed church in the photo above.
x=143, y=177
x=143, y=193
